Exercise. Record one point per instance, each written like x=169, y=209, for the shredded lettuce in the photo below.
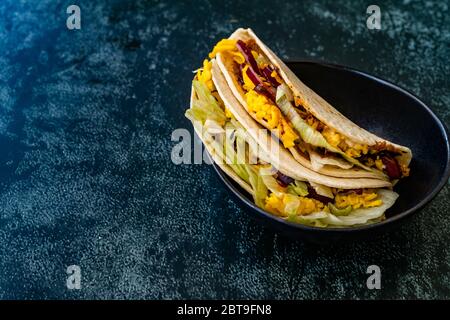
x=339, y=212
x=292, y=204
x=233, y=161
x=298, y=188
x=308, y=133
x=206, y=110
x=336, y=217
x=363, y=215
x=313, y=219
x=322, y=190
x=272, y=184
x=225, y=149
x=259, y=188
x=205, y=106
x=317, y=161
x=261, y=60
x=241, y=149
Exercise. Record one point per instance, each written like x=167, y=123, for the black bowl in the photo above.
x=388, y=111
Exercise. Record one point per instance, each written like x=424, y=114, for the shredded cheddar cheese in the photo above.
x=288, y=135
x=204, y=74
x=229, y=46
x=248, y=84
x=379, y=164
x=228, y=113
x=332, y=136
x=275, y=75
x=339, y=141
x=277, y=205
x=364, y=200
x=264, y=109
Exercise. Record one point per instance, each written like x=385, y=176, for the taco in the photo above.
x=279, y=185
x=317, y=136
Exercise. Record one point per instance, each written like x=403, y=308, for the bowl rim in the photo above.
x=430, y=196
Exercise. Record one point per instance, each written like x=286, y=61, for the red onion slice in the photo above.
x=392, y=167
x=313, y=194
x=253, y=76
x=268, y=92
x=260, y=87
x=267, y=73
x=283, y=179
x=248, y=56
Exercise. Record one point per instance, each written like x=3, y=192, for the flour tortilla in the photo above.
x=316, y=105
x=282, y=160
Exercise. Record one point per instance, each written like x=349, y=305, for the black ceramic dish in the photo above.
x=389, y=112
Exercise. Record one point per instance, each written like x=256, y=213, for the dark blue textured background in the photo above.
x=86, y=118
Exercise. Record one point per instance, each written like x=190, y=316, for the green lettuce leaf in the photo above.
x=322, y=190
x=259, y=188
x=271, y=183
x=360, y=216
x=298, y=188
x=339, y=212
x=204, y=106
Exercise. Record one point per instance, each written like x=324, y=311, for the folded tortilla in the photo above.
x=342, y=149
x=287, y=190
x=282, y=159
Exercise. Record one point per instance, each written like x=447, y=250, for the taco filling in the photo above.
x=271, y=102
x=293, y=200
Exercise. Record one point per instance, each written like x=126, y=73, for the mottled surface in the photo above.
x=85, y=136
